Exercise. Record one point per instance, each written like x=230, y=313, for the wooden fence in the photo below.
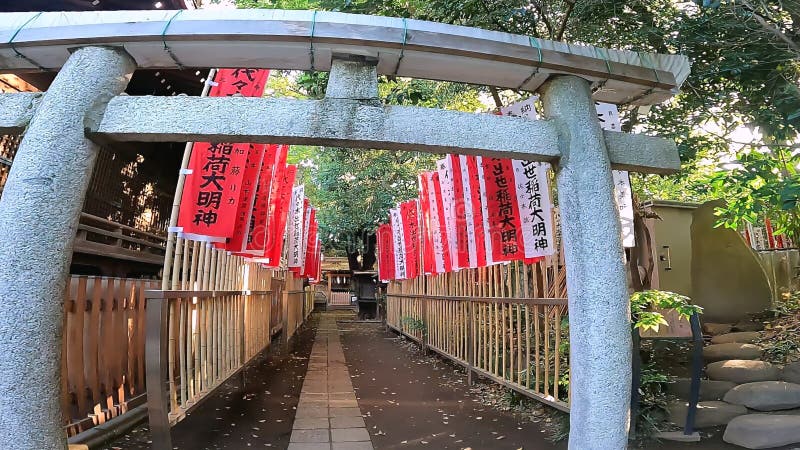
x=506, y=322
x=103, y=359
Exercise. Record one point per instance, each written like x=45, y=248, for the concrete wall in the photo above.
x=713, y=266
x=673, y=246
x=728, y=280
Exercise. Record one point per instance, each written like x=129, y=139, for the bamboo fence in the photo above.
x=506, y=322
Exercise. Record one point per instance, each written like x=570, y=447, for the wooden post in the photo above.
x=156, y=367
x=470, y=341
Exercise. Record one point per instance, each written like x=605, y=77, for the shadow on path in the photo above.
x=258, y=415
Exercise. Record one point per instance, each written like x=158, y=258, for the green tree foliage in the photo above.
x=745, y=73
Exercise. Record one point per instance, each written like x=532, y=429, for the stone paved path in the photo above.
x=328, y=416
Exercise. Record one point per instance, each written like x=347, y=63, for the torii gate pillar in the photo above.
x=599, y=309
x=39, y=213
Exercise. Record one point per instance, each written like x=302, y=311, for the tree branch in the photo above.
x=496, y=96
x=540, y=10
x=771, y=28
x=563, y=27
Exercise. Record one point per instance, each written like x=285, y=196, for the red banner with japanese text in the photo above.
x=462, y=244
x=386, y=270
x=250, y=181
x=268, y=186
x=216, y=172
x=504, y=221
x=473, y=211
x=311, y=242
x=425, y=227
x=410, y=213
x=279, y=210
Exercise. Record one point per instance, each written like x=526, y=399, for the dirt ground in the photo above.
x=413, y=401
x=258, y=415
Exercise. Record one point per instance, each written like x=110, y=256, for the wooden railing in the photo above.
x=507, y=323
x=103, y=372
x=99, y=236
x=339, y=298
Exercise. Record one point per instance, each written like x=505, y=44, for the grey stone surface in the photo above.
x=16, y=111
x=791, y=372
x=312, y=435
x=742, y=371
x=709, y=389
x=356, y=124
x=347, y=422
x=709, y=414
x=765, y=395
x=600, y=338
x=731, y=350
x=286, y=40
x=352, y=79
x=39, y=213
x=763, y=431
x=717, y=328
x=349, y=435
x=745, y=337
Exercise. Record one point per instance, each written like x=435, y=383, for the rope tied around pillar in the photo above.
x=403, y=47
x=534, y=42
x=14, y=36
x=311, y=48
x=164, y=40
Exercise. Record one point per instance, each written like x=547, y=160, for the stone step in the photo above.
x=763, y=431
x=791, y=372
x=709, y=414
x=746, y=325
x=715, y=329
x=744, y=337
x=731, y=350
x=765, y=395
x=709, y=389
x=742, y=371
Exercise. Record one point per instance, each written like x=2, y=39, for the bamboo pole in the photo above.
x=182, y=354
x=176, y=202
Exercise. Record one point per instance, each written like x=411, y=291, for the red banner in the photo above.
x=425, y=228
x=462, y=237
x=211, y=190
x=250, y=182
x=385, y=253
x=216, y=171
x=247, y=82
x=504, y=221
x=273, y=170
x=410, y=213
x=311, y=242
x=441, y=246
x=475, y=218
x=279, y=209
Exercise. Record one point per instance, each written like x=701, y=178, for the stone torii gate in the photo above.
x=96, y=55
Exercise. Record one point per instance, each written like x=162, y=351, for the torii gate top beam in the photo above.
x=301, y=40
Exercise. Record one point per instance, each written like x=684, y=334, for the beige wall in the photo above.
x=713, y=266
x=673, y=264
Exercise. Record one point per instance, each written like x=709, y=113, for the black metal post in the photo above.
x=697, y=368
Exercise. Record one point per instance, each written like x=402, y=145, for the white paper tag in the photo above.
x=186, y=172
